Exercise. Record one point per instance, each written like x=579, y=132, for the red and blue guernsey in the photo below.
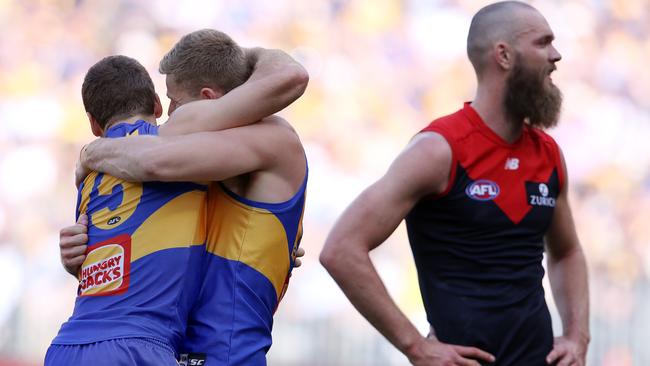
x=146, y=243
x=478, y=246
x=251, y=250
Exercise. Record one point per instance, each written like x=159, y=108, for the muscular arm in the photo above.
x=277, y=81
x=422, y=169
x=567, y=271
x=211, y=156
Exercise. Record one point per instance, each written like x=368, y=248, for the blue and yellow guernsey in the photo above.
x=146, y=243
x=251, y=250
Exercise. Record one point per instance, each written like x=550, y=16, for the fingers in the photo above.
x=83, y=220
x=75, y=262
x=69, y=241
x=300, y=253
x=73, y=250
x=465, y=362
x=72, y=265
x=473, y=352
x=73, y=256
x=555, y=355
x=74, y=230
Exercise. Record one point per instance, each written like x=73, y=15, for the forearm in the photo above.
x=124, y=158
x=568, y=278
x=355, y=274
x=276, y=81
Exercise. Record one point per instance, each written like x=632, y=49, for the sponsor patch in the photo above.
x=482, y=190
x=540, y=194
x=192, y=359
x=106, y=268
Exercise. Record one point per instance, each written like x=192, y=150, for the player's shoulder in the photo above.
x=423, y=166
x=277, y=123
x=541, y=136
x=453, y=123
x=277, y=132
x=429, y=148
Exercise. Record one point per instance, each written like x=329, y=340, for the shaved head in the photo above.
x=494, y=23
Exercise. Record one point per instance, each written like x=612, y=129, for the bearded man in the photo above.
x=484, y=194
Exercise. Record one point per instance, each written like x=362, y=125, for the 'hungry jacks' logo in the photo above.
x=106, y=268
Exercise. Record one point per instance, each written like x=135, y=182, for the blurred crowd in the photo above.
x=380, y=71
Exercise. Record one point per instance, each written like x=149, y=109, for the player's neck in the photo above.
x=488, y=103
x=149, y=119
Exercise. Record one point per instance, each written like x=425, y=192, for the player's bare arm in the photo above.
x=567, y=271
x=422, y=169
x=277, y=80
x=270, y=146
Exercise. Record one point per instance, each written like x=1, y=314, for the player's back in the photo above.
x=144, y=251
x=250, y=254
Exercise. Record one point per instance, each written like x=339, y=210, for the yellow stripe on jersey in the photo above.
x=131, y=195
x=89, y=182
x=176, y=224
x=251, y=235
x=172, y=226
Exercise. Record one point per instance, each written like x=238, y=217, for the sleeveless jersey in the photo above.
x=146, y=240
x=251, y=250
x=478, y=246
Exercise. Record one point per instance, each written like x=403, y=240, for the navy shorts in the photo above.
x=113, y=352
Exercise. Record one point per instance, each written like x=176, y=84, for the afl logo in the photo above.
x=482, y=190
x=113, y=220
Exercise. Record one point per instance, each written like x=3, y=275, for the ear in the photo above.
x=209, y=93
x=157, y=107
x=94, y=125
x=504, y=55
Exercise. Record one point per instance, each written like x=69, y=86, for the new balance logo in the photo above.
x=512, y=164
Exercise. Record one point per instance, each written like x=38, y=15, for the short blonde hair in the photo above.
x=206, y=58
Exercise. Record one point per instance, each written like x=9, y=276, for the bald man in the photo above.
x=484, y=193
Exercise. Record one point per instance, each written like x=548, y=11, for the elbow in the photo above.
x=336, y=258
x=297, y=79
x=327, y=257
x=301, y=78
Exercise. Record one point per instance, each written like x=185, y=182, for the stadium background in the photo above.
x=380, y=70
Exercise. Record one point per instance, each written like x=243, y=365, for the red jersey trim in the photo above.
x=558, y=162
x=454, y=162
x=476, y=120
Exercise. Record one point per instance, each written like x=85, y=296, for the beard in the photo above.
x=527, y=99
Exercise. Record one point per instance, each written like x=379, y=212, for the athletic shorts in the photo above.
x=112, y=352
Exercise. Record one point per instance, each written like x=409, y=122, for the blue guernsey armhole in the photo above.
x=76, y=209
x=149, y=129
x=275, y=207
x=139, y=127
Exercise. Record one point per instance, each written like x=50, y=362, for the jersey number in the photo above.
x=107, y=218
